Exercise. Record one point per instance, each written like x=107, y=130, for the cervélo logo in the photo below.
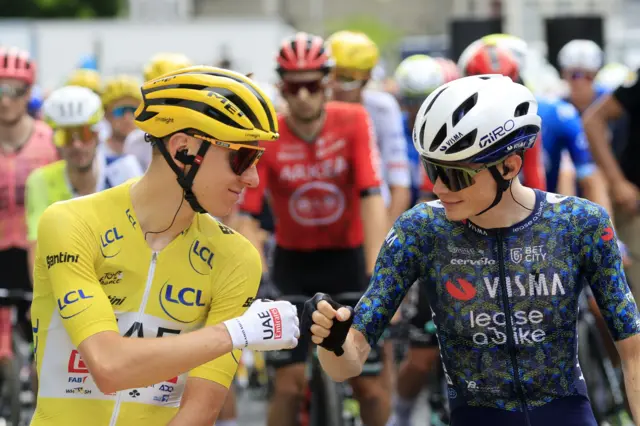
x=461, y=289
x=62, y=257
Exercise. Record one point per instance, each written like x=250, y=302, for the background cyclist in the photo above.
x=356, y=55
x=25, y=144
x=323, y=182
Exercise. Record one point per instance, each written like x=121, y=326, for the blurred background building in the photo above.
x=121, y=35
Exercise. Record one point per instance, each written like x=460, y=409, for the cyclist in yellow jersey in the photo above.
x=138, y=261
x=73, y=112
x=158, y=65
x=120, y=98
x=91, y=79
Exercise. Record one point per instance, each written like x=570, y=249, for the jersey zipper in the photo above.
x=143, y=305
x=510, y=342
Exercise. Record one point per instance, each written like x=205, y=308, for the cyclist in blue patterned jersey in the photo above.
x=502, y=264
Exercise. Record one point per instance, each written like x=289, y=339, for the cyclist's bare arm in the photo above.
x=375, y=225
x=595, y=122
x=250, y=228
x=201, y=403
x=118, y=363
x=629, y=350
x=356, y=350
x=567, y=178
x=400, y=199
x=595, y=189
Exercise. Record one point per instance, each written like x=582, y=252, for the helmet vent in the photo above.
x=521, y=109
x=464, y=108
x=423, y=128
x=463, y=143
x=434, y=99
x=439, y=138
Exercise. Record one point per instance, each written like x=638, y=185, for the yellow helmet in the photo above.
x=163, y=63
x=85, y=78
x=121, y=86
x=223, y=104
x=353, y=51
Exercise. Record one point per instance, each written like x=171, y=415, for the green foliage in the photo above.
x=59, y=8
x=385, y=36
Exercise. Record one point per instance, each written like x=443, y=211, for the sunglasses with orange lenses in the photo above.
x=68, y=135
x=242, y=156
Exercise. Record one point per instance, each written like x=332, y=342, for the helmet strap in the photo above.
x=185, y=180
x=503, y=185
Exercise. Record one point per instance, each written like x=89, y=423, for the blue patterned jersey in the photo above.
x=505, y=301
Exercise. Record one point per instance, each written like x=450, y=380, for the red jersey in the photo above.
x=38, y=151
x=533, y=174
x=314, y=187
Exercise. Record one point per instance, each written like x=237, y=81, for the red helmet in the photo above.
x=491, y=59
x=15, y=63
x=450, y=69
x=303, y=52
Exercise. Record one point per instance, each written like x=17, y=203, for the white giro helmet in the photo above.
x=477, y=119
x=72, y=106
x=419, y=75
x=581, y=54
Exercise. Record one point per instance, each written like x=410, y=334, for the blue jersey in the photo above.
x=414, y=159
x=504, y=301
x=562, y=130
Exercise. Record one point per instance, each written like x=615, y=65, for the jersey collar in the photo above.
x=521, y=226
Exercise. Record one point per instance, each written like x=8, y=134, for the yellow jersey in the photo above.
x=95, y=272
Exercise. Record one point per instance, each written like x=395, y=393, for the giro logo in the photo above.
x=607, y=234
x=462, y=290
x=497, y=133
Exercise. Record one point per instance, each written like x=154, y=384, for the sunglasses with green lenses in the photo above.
x=455, y=178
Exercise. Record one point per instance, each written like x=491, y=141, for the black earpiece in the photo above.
x=506, y=171
x=183, y=157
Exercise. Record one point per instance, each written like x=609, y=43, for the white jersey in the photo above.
x=136, y=145
x=389, y=128
x=113, y=171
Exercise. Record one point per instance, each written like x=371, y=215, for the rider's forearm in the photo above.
x=131, y=363
x=341, y=368
x=595, y=190
x=596, y=131
x=632, y=386
x=249, y=227
x=374, y=222
x=400, y=200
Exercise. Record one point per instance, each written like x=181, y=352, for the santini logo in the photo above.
x=62, y=257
